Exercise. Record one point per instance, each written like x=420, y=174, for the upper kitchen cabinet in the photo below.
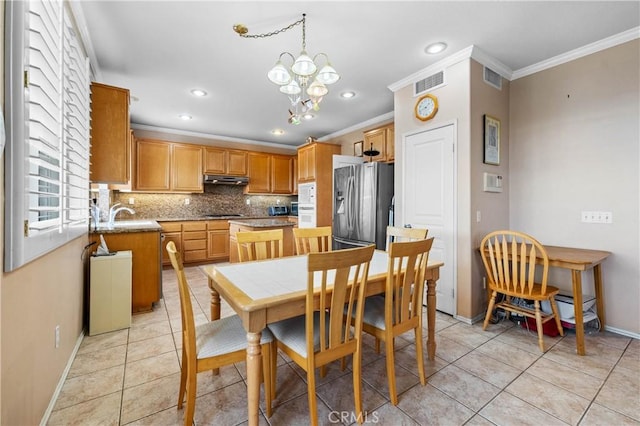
x=168, y=167
x=220, y=161
x=315, y=160
x=382, y=140
x=269, y=173
x=110, y=135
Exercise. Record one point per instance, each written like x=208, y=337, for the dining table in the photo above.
x=263, y=292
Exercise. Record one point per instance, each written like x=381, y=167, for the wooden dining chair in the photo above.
x=212, y=345
x=509, y=259
x=398, y=234
x=312, y=240
x=400, y=310
x=259, y=245
x=336, y=283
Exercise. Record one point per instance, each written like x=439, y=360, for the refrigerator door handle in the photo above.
x=352, y=242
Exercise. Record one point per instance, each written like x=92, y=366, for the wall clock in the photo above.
x=426, y=107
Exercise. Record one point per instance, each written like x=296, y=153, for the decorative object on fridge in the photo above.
x=491, y=140
x=426, y=107
x=371, y=152
x=357, y=149
x=304, y=82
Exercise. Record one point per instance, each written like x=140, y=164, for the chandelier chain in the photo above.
x=281, y=30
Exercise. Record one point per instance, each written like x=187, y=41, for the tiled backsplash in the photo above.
x=216, y=199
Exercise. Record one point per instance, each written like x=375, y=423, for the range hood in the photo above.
x=226, y=180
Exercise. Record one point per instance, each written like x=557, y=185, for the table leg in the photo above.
x=215, y=302
x=597, y=281
x=254, y=362
x=431, y=319
x=576, y=278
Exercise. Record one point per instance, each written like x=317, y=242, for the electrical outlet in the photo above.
x=57, y=336
x=187, y=201
x=248, y=201
x=131, y=201
x=478, y=216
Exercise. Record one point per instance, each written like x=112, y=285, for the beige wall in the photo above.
x=493, y=207
x=453, y=107
x=574, y=140
x=347, y=140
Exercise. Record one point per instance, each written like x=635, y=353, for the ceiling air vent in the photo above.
x=429, y=83
x=492, y=78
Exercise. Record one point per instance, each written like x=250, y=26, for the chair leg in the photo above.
x=357, y=383
x=274, y=368
x=311, y=392
x=539, y=324
x=420, y=355
x=556, y=314
x=377, y=345
x=183, y=379
x=391, y=370
x=492, y=302
x=191, y=395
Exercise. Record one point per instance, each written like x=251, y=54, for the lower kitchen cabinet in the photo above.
x=146, y=272
x=197, y=241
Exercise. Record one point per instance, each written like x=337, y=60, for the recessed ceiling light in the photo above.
x=185, y=117
x=434, y=48
x=348, y=95
x=277, y=132
x=308, y=116
x=198, y=92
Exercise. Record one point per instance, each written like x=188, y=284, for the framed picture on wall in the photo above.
x=491, y=140
x=357, y=149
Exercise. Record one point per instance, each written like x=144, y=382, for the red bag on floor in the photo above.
x=548, y=328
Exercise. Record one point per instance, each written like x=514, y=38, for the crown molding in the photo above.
x=488, y=61
x=432, y=69
x=359, y=126
x=580, y=52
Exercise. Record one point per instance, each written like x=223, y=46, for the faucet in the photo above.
x=113, y=211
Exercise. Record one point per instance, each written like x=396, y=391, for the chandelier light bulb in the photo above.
x=304, y=65
x=293, y=88
x=279, y=74
x=317, y=89
x=328, y=75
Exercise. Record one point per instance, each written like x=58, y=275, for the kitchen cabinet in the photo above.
x=171, y=231
x=295, y=175
x=315, y=163
x=220, y=161
x=382, y=140
x=260, y=225
x=269, y=173
x=218, y=240
x=197, y=241
x=168, y=167
x=194, y=241
x=110, y=134
x=146, y=270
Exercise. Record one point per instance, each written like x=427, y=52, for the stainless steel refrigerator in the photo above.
x=362, y=195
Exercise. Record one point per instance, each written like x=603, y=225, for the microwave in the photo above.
x=294, y=208
x=278, y=211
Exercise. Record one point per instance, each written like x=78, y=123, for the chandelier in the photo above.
x=302, y=81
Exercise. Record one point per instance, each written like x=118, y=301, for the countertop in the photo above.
x=271, y=222
x=120, y=226
x=152, y=225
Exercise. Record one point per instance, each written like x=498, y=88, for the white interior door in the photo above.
x=429, y=201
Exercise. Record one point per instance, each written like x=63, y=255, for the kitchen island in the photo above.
x=241, y=225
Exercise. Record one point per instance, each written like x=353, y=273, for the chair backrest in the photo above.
x=259, y=245
x=186, y=309
x=397, y=234
x=339, y=279
x=510, y=259
x=405, y=281
x=312, y=240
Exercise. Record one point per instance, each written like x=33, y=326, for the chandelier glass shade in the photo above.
x=302, y=79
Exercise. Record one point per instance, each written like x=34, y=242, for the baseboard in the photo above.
x=63, y=378
x=622, y=332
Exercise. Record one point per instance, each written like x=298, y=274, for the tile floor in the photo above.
x=479, y=377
